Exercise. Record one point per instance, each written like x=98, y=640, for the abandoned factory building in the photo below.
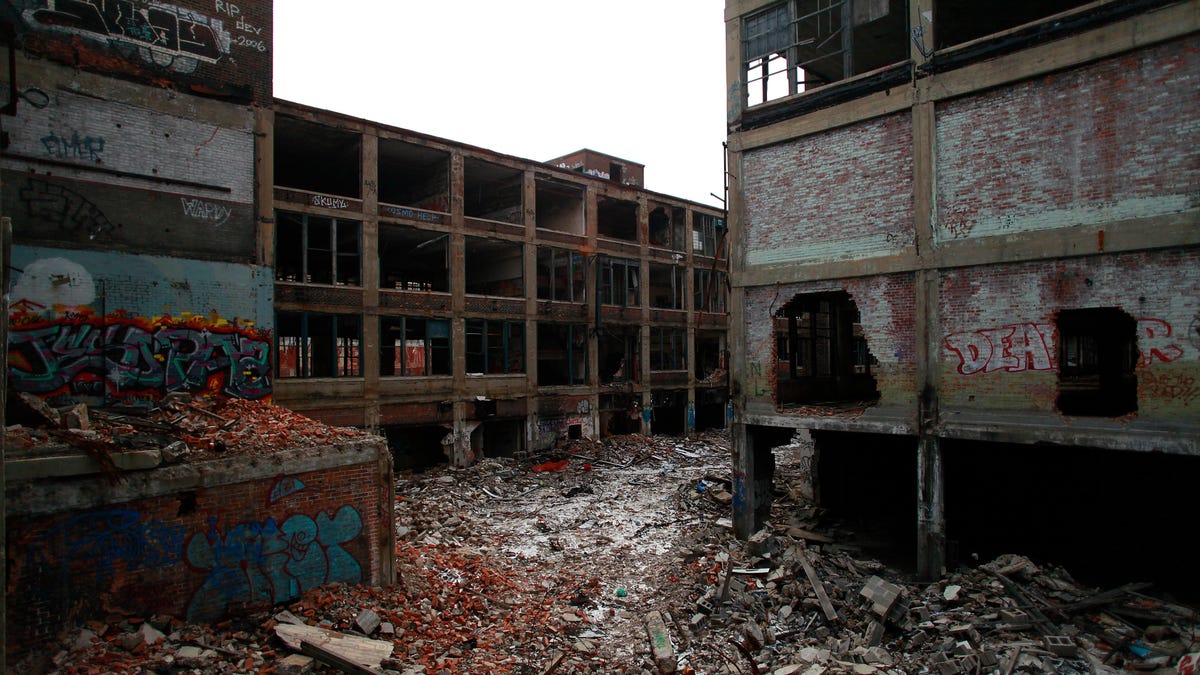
x=966, y=258
x=445, y=294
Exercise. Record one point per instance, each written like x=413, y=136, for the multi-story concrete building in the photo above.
x=966, y=256
x=468, y=303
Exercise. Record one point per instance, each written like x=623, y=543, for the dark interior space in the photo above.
x=559, y=207
x=617, y=218
x=414, y=175
x=416, y=447
x=502, y=438
x=822, y=353
x=710, y=408
x=412, y=259
x=1097, y=350
x=317, y=158
x=493, y=191
x=958, y=21
x=618, y=415
x=670, y=411
x=868, y=482
x=1108, y=517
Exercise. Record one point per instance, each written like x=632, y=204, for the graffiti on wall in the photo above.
x=1169, y=386
x=1016, y=348
x=64, y=207
x=175, y=38
x=73, y=146
x=206, y=211
x=128, y=358
x=108, y=541
x=260, y=563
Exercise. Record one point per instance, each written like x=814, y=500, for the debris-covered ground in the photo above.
x=618, y=557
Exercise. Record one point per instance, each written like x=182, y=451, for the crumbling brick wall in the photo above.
x=210, y=540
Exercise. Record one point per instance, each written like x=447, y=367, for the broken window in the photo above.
x=309, y=344
x=668, y=348
x=495, y=267
x=666, y=286
x=317, y=158
x=414, y=175
x=413, y=346
x=495, y=347
x=562, y=354
x=619, y=352
x=561, y=275
x=317, y=249
x=493, y=192
x=617, y=218
x=822, y=353
x=412, y=259
x=797, y=45
x=560, y=207
x=711, y=291
x=1097, y=351
x=708, y=232
x=667, y=227
x=619, y=282
x=710, y=356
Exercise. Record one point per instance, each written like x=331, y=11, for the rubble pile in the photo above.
x=185, y=428
x=618, y=557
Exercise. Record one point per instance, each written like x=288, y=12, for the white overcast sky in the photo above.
x=643, y=80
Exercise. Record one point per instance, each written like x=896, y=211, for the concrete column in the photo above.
x=931, y=518
x=744, y=492
x=370, y=280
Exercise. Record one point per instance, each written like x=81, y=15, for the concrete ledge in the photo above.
x=48, y=494
x=75, y=464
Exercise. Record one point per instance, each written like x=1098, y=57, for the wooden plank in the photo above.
x=331, y=658
x=822, y=597
x=363, y=652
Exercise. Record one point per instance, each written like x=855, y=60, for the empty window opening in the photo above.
x=418, y=448
x=708, y=234
x=412, y=346
x=619, y=353
x=669, y=411
x=560, y=207
x=618, y=284
x=309, y=344
x=668, y=227
x=414, y=175
x=666, y=286
x=711, y=291
x=561, y=275
x=797, y=45
x=495, y=347
x=616, y=172
x=574, y=432
x=668, y=348
x=317, y=250
x=502, y=438
x=411, y=259
x=619, y=414
x=617, y=219
x=958, y=21
x=317, y=158
x=868, y=485
x=493, y=192
x=495, y=267
x=1097, y=351
x=562, y=354
x=1055, y=505
x=711, y=355
x=711, y=410
x=822, y=353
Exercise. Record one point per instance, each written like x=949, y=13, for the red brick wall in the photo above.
x=846, y=193
x=1000, y=345
x=1108, y=141
x=200, y=554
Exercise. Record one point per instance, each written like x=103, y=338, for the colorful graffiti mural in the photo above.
x=261, y=563
x=131, y=359
x=107, y=540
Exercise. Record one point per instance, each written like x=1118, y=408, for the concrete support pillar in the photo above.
x=931, y=515
x=744, y=492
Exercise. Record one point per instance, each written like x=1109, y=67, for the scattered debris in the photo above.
x=631, y=567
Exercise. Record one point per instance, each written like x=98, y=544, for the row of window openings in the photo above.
x=329, y=345
x=314, y=249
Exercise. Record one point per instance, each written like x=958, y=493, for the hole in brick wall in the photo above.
x=416, y=447
x=1097, y=352
x=821, y=352
x=187, y=504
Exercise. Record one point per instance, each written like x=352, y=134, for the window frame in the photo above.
x=345, y=345
x=438, y=356
x=344, y=265
x=497, y=338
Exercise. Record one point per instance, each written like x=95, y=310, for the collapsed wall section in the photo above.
x=197, y=541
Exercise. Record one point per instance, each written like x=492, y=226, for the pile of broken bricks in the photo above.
x=623, y=561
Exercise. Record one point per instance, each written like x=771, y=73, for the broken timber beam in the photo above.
x=818, y=587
